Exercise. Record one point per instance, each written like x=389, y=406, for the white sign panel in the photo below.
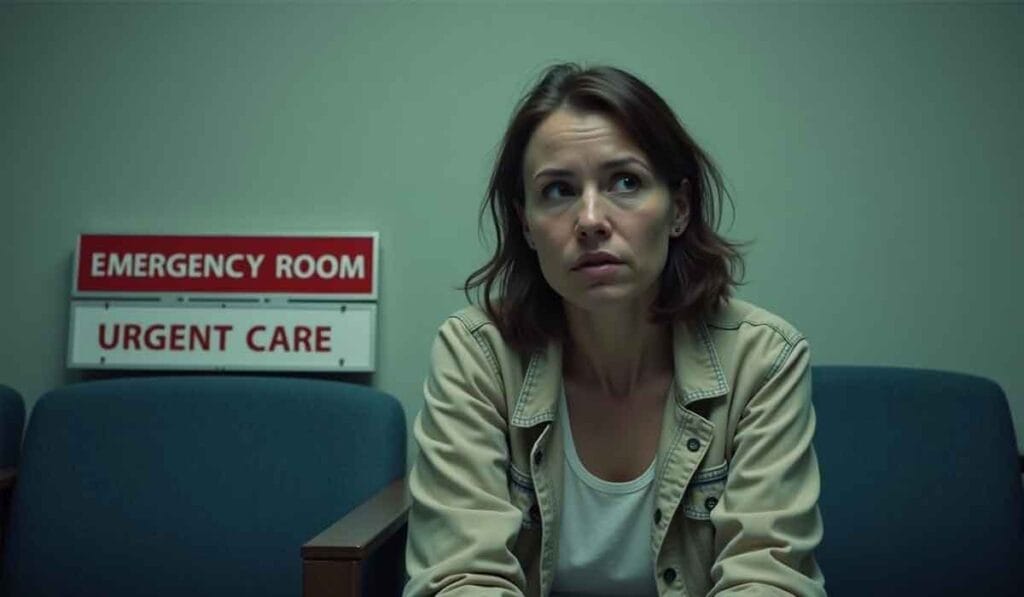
x=126, y=335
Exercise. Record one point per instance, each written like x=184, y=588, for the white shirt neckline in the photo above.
x=591, y=480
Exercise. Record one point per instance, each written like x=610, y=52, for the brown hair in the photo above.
x=701, y=267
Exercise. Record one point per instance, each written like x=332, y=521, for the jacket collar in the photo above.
x=698, y=375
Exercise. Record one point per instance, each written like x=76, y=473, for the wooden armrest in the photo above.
x=359, y=532
x=331, y=560
x=7, y=478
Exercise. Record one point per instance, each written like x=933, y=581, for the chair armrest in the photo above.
x=359, y=532
x=330, y=561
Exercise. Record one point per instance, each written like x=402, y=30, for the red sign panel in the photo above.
x=335, y=266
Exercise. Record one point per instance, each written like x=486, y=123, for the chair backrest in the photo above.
x=12, y=422
x=177, y=486
x=921, y=488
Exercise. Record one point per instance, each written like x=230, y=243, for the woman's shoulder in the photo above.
x=747, y=319
x=473, y=322
x=469, y=345
x=471, y=317
x=752, y=345
x=472, y=329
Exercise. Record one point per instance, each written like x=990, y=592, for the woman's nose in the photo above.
x=591, y=219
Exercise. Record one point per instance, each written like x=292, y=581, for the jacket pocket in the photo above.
x=704, y=491
x=523, y=496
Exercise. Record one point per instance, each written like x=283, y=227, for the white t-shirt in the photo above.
x=604, y=545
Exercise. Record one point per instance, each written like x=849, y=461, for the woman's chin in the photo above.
x=605, y=298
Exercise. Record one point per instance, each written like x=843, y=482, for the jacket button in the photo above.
x=710, y=503
x=657, y=516
x=693, y=445
x=534, y=513
x=538, y=456
x=669, y=576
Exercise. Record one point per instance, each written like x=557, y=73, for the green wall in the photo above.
x=874, y=151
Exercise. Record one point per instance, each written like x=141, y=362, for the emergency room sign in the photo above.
x=323, y=267
x=224, y=302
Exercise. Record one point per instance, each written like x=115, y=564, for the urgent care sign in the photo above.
x=224, y=302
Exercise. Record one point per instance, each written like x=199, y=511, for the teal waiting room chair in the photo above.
x=208, y=485
x=920, y=484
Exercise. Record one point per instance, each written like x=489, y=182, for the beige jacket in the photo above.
x=736, y=475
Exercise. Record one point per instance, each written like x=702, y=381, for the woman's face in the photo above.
x=591, y=194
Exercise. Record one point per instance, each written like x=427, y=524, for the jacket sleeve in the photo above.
x=767, y=523
x=462, y=522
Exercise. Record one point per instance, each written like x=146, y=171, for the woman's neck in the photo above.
x=616, y=352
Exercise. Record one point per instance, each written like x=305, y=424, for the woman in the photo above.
x=611, y=423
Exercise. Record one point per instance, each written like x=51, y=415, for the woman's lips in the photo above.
x=599, y=270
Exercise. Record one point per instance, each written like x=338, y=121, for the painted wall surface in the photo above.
x=874, y=152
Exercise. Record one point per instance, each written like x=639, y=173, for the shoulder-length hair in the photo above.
x=702, y=267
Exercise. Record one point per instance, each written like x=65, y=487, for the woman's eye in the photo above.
x=556, y=190
x=625, y=183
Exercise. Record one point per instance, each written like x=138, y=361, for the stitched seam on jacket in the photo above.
x=527, y=389
x=531, y=371
x=537, y=418
x=492, y=359
x=779, y=361
x=737, y=325
x=473, y=328
x=696, y=514
x=490, y=355
x=715, y=473
x=671, y=452
x=471, y=325
x=659, y=477
x=721, y=386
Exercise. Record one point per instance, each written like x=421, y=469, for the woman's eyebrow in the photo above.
x=553, y=172
x=626, y=161
x=609, y=165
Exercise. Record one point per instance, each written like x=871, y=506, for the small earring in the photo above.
x=677, y=230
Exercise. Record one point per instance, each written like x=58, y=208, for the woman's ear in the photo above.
x=681, y=207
